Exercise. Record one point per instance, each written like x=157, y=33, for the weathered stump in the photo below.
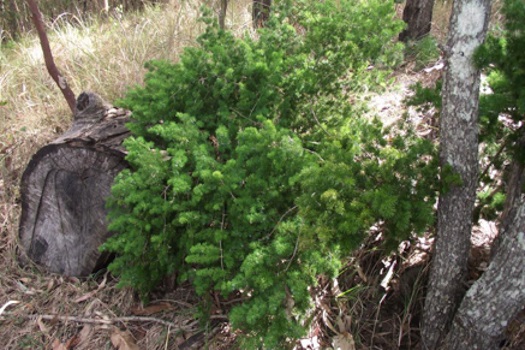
x=64, y=189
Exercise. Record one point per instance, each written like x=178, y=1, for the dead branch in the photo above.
x=108, y=321
x=36, y=17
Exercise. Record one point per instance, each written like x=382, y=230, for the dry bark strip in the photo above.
x=64, y=189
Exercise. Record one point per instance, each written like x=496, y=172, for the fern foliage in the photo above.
x=251, y=172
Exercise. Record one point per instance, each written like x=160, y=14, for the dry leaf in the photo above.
x=57, y=345
x=343, y=323
x=86, y=296
x=123, y=340
x=343, y=341
x=50, y=285
x=25, y=280
x=93, y=292
x=43, y=328
x=72, y=342
x=151, y=309
x=84, y=334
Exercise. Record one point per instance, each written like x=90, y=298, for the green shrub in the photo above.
x=251, y=172
x=424, y=51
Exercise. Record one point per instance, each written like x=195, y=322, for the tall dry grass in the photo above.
x=102, y=55
x=106, y=55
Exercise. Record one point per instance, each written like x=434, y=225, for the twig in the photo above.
x=10, y=302
x=36, y=16
x=494, y=159
x=105, y=321
x=293, y=255
x=281, y=219
x=318, y=122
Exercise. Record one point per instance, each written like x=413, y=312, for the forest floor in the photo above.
x=375, y=303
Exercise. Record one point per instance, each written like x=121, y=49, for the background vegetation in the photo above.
x=107, y=54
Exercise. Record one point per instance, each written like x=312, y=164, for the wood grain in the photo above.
x=64, y=189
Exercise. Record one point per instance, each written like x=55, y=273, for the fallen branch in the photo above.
x=112, y=321
x=109, y=321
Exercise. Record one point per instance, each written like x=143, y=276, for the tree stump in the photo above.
x=64, y=188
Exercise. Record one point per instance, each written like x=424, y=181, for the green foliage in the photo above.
x=251, y=173
x=449, y=178
x=423, y=51
x=426, y=98
x=503, y=60
x=490, y=204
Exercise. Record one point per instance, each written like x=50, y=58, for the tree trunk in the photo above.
x=458, y=156
x=222, y=14
x=497, y=296
x=261, y=12
x=418, y=17
x=64, y=188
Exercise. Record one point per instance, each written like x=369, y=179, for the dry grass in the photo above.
x=106, y=56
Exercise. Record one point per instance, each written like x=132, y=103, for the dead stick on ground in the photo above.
x=36, y=16
x=111, y=321
x=107, y=321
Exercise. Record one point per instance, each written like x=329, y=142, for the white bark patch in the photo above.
x=470, y=24
x=471, y=18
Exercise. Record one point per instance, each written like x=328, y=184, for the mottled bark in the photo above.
x=497, y=296
x=458, y=155
x=64, y=188
x=418, y=17
x=261, y=12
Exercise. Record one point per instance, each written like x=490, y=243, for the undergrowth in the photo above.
x=251, y=173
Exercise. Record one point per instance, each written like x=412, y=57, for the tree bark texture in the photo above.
x=59, y=79
x=458, y=156
x=497, y=297
x=64, y=188
x=418, y=17
x=222, y=14
x=261, y=12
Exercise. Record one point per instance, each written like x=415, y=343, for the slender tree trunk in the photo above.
x=222, y=14
x=59, y=79
x=515, y=182
x=458, y=156
x=497, y=296
x=418, y=17
x=515, y=185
